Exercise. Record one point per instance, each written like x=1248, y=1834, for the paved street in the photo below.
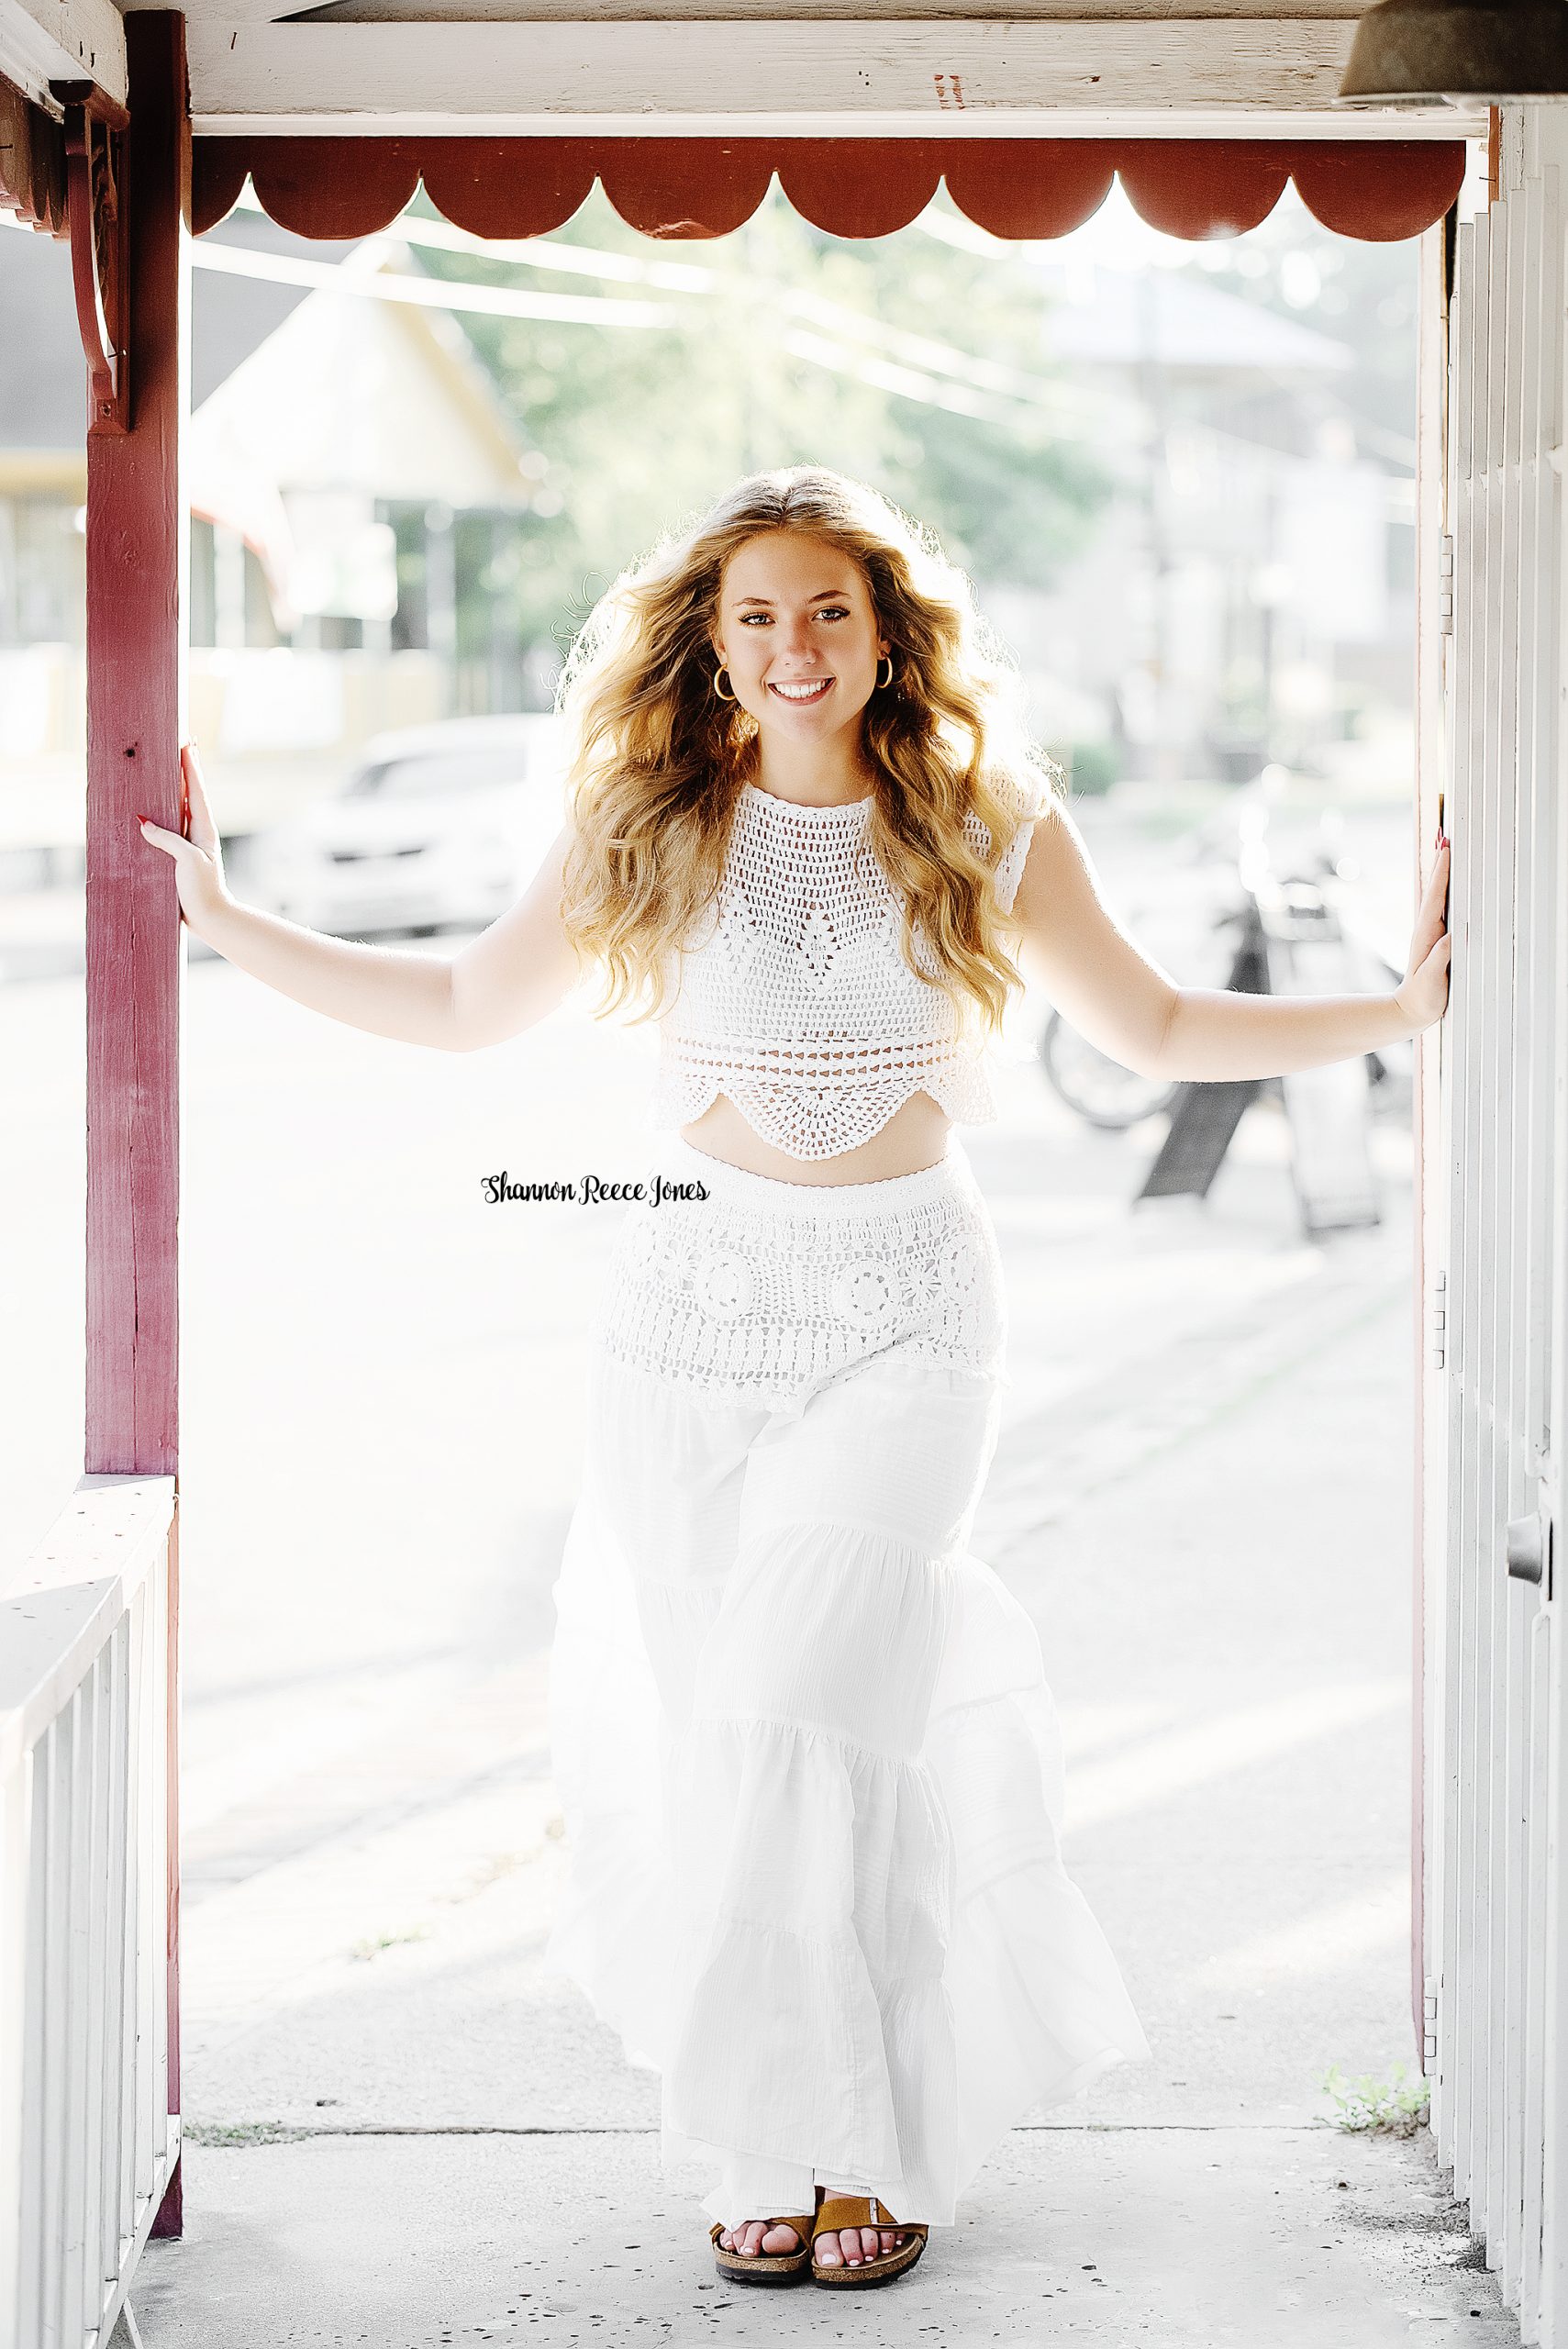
x=398, y=2134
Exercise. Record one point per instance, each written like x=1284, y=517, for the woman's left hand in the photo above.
x=1422, y=993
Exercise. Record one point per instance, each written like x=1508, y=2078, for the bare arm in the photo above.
x=510, y=976
x=518, y=969
x=1102, y=982
x=386, y=990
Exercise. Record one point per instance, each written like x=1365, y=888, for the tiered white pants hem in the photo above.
x=807, y=1753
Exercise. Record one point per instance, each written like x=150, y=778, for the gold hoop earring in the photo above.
x=885, y=682
x=718, y=689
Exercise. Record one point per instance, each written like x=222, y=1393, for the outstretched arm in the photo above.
x=508, y=978
x=1104, y=984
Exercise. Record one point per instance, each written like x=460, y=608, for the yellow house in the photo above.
x=325, y=568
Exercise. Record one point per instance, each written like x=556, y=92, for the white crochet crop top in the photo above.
x=796, y=1002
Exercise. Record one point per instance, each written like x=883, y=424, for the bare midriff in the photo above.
x=916, y=1136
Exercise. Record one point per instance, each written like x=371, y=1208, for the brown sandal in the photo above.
x=861, y=2210
x=764, y=2267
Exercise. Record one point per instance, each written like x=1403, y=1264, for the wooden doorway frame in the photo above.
x=136, y=625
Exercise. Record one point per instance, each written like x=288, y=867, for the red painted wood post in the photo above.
x=136, y=594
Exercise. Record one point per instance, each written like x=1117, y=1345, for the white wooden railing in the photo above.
x=87, y=2141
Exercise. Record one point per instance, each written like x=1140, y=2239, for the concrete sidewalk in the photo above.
x=1174, y=2238
x=1227, y=1628
x=397, y=2133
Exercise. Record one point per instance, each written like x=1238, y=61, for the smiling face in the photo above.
x=799, y=635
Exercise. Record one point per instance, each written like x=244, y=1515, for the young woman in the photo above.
x=805, y=1750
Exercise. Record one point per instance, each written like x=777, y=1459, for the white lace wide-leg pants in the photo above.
x=806, y=1751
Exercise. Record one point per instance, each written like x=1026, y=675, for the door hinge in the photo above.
x=1445, y=583
x=1436, y=1321
x=1429, y=2028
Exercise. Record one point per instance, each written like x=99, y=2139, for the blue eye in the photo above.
x=748, y=618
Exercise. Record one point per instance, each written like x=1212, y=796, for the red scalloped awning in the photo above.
x=1377, y=190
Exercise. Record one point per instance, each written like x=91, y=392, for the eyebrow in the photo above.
x=821, y=596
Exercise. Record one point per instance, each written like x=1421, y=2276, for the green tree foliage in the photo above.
x=907, y=362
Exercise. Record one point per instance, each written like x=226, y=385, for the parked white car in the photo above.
x=437, y=827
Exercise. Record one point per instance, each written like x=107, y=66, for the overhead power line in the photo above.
x=431, y=292
x=924, y=356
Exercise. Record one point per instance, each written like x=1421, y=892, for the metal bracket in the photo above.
x=1445, y=584
x=1429, y=2026
x=100, y=261
x=1437, y=1327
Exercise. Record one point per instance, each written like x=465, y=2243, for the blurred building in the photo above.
x=341, y=544
x=1249, y=594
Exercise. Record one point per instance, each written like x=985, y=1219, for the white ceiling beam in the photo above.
x=62, y=41
x=496, y=12
x=947, y=78
x=1089, y=12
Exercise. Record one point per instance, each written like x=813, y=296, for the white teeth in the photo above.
x=805, y=691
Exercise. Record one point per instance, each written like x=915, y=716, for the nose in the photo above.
x=798, y=650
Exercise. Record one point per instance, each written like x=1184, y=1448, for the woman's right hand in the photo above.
x=197, y=850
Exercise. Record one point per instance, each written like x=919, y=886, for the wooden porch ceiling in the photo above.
x=685, y=110
x=948, y=69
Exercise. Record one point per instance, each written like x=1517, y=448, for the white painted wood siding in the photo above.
x=1493, y=1272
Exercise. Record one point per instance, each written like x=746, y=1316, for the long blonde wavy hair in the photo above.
x=658, y=758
